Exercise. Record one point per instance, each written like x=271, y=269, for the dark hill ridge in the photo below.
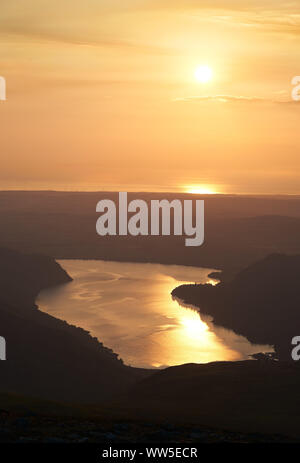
x=249, y=396
x=262, y=302
x=22, y=276
x=239, y=230
x=47, y=357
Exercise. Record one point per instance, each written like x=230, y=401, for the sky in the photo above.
x=102, y=95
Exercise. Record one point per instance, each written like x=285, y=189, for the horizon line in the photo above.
x=145, y=192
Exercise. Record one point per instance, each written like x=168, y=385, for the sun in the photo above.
x=203, y=74
x=200, y=190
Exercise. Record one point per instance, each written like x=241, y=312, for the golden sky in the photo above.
x=102, y=94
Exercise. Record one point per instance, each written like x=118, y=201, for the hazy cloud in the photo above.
x=84, y=22
x=222, y=99
x=233, y=99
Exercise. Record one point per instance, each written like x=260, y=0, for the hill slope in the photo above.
x=46, y=357
x=262, y=302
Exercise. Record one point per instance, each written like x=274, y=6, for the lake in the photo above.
x=128, y=307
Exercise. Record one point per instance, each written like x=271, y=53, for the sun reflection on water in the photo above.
x=130, y=309
x=188, y=339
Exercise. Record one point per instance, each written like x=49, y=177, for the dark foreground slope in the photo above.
x=262, y=302
x=249, y=401
x=46, y=357
x=257, y=396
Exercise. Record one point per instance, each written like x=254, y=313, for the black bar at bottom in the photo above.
x=101, y=453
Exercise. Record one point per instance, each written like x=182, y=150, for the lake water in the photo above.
x=129, y=308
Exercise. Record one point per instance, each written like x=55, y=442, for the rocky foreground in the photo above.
x=30, y=428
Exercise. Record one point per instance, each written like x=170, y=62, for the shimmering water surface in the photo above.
x=129, y=308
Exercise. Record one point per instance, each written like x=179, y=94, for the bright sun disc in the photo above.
x=203, y=74
x=200, y=190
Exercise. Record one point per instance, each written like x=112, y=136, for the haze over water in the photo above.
x=128, y=307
